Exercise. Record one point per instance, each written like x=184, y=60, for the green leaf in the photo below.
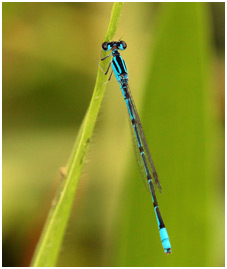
x=48, y=248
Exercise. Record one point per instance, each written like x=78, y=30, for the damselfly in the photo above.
x=121, y=74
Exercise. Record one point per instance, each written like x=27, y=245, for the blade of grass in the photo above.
x=49, y=245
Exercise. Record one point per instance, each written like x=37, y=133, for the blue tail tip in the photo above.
x=165, y=240
x=166, y=246
x=168, y=251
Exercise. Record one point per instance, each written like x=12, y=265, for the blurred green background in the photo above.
x=175, y=59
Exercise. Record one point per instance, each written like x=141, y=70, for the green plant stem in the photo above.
x=49, y=245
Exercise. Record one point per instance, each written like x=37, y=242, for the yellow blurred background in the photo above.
x=175, y=60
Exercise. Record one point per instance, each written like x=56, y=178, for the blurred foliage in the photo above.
x=175, y=59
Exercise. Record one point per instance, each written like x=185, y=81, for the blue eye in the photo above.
x=106, y=46
x=122, y=45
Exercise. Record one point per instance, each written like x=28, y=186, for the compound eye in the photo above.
x=105, y=46
x=122, y=45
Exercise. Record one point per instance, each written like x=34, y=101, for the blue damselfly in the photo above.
x=121, y=74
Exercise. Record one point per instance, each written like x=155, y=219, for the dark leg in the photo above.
x=105, y=57
x=110, y=75
x=105, y=73
x=108, y=68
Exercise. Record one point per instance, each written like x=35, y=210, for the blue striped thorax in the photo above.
x=119, y=68
x=118, y=64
